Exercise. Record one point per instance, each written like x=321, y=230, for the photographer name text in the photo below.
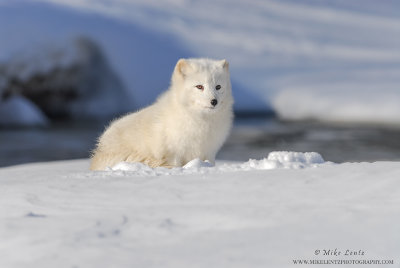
x=339, y=252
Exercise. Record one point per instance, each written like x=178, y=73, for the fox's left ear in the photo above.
x=224, y=64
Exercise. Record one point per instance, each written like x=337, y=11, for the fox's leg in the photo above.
x=100, y=161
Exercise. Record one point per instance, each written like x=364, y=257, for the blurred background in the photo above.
x=307, y=75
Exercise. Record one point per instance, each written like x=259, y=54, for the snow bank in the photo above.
x=245, y=218
x=308, y=59
x=275, y=160
x=341, y=104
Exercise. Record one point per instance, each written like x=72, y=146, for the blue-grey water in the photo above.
x=249, y=139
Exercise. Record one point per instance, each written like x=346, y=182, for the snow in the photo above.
x=346, y=103
x=335, y=61
x=340, y=53
x=17, y=111
x=60, y=214
x=288, y=160
x=197, y=163
x=49, y=57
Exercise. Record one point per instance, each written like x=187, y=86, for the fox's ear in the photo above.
x=182, y=67
x=224, y=64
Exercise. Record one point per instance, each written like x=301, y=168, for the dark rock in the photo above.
x=73, y=82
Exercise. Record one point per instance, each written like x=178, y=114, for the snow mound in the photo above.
x=139, y=169
x=197, y=163
x=18, y=111
x=126, y=166
x=308, y=158
x=286, y=160
x=275, y=160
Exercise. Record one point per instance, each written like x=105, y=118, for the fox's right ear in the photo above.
x=224, y=64
x=182, y=67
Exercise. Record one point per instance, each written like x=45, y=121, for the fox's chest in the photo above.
x=192, y=139
x=189, y=136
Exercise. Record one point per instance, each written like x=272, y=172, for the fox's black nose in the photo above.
x=214, y=102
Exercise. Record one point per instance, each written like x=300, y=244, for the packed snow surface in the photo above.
x=249, y=214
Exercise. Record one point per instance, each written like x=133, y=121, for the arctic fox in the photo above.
x=192, y=119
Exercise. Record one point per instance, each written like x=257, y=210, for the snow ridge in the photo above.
x=275, y=160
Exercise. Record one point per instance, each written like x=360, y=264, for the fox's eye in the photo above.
x=200, y=87
x=218, y=87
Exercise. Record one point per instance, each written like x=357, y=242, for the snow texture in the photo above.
x=62, y=215
x=287, y=160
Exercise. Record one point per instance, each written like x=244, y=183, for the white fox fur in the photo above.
x=183, y=124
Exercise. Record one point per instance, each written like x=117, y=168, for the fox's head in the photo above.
x=203, y=84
